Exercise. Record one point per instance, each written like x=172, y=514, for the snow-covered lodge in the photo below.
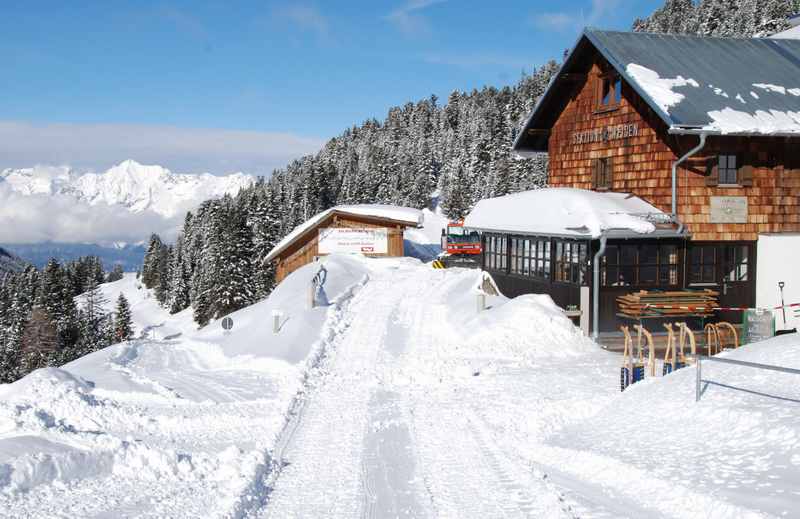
x=681, y=155
x=373, y=230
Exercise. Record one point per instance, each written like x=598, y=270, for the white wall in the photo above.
x=778, y=259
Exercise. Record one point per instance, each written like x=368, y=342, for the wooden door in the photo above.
x=727, y=267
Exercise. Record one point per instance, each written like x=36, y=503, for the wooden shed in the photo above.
x=372, y=230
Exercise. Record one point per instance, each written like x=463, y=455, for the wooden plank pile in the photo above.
x=653, y=303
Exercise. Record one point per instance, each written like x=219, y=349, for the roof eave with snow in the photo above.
x=573, y=213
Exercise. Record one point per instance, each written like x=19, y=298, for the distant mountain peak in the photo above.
x=136, y=186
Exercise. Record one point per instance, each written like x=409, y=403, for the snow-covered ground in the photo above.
x=398, y=399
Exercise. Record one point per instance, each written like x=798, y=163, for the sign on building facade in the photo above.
x=728, y=209
x=349, y=241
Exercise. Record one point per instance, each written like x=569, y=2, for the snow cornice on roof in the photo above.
x=573, y=213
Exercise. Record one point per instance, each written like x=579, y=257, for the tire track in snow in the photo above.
x=322, y=472
x=336, y=325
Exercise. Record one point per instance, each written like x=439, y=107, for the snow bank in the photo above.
x=564, y=211
x=425, y=243
x=184, y=424
x=733, y=454
x=407, y=215
x=659, y=89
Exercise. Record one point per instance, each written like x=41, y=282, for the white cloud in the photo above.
x=575, y=21
x=98, y=146
x=407, y=17
x=38, y=218
x=305, y=17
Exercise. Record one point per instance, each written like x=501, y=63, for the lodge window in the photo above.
x=602, y=177
x=728, y=173
x=736, y=264
x=610, y=92
x=530, y=257
x=703, y=264
x=495, y=252
x=570, y=262
x=639, y=264
x=728, y=169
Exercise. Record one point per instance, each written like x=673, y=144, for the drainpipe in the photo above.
x=596, y=288
x=675, y=178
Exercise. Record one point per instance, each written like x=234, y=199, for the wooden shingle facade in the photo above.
x=641, y=161
x=627, y=108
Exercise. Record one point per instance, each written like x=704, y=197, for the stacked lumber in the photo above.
x=653, y=303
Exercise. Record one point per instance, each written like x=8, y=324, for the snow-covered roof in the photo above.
x=570, y=212
x=725, y=86
x=788, y=34
x=402, y=215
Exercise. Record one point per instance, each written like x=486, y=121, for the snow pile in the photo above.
x=564, y=211
x=659, y=89
x=412, y=217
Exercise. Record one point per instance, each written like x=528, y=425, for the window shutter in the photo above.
x=712, y=172
x=595, y=173
x=746, y=175
x=609, y=180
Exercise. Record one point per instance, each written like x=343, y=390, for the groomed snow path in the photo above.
x=400, y=421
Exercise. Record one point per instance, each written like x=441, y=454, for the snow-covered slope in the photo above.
x=130, y=184
x=397, y=400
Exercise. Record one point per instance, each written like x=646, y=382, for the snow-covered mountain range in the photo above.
x=130, y=184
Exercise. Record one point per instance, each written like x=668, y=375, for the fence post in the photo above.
x=481, y=302
x=699, y=371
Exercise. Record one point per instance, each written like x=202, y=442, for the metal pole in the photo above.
x=596, y=288
x=675, y=176
x=697, y=385
x=783, y=305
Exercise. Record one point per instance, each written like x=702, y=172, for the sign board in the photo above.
x=728, y=209
x=347, y=240
x=605, y=134
x=758, y=325
x=227, y=323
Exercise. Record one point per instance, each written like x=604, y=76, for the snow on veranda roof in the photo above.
x=737, y=86
x=401, y=215
x=570, y=212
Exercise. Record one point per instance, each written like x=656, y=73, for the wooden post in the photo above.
x=481, y=302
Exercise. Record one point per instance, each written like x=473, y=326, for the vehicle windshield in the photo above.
x=461, y=235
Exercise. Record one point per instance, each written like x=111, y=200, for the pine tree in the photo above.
x=123, y=326
x=39, y=342
x=116, y=274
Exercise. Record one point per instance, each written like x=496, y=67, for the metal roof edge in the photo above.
x=547, y=92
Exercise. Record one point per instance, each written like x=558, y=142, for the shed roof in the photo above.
x=571, y=212
x=392, y=214
x=744, y=86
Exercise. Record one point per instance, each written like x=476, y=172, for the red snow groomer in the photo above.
x=461, y=246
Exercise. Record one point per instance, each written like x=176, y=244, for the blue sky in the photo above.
x=285, y=74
